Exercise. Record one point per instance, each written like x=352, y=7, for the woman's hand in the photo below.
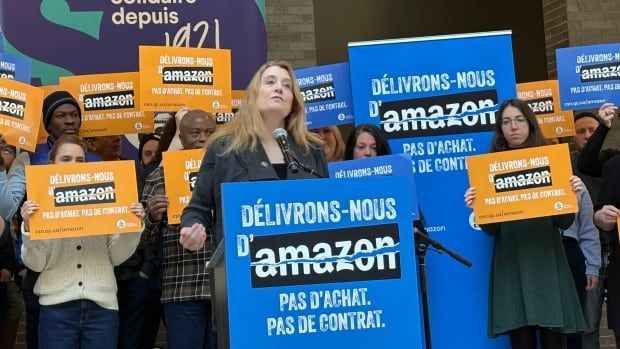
x=193, y=238
x=470, y=196
x=137, y=209
x=576, y=184
x=28, y=208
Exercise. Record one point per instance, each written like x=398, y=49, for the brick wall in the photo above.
x=575, y=23
x=595, y=22
x=556, y=31
x=290, y=32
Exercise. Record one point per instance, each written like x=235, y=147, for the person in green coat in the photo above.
x=531, y=291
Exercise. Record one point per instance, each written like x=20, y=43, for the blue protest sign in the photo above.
x=436, y=99
x=321, y=264
x=387, y=165
x=588, y=75
x=327, y=94
x=15, y=68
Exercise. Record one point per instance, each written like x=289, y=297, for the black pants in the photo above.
x=525, y=338
x=31, y=302
x=577, y=265
x=139, y=312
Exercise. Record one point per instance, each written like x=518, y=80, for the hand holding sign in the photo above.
x=157, y=206
x=470, y=195
x=606, y=112
x=28, y=208
x=137, y=209
x=576, y=184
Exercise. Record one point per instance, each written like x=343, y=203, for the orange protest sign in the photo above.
x=544, y=99
x=110, y=104
x=237, y=98
x=518, y=184
x=180, y=174
x=174, y=77
x=82, y=199
x=20, y=113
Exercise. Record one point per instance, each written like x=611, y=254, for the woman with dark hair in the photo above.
x=366, y=141
x=531, y=287
x=511, y=133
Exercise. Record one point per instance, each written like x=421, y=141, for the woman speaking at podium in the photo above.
x=244, y=150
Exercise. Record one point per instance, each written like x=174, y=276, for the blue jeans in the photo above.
x=79, y=324
x=189, y=326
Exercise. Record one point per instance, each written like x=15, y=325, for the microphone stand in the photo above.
x=422, y=243
x=306, y=168
x=293, y=166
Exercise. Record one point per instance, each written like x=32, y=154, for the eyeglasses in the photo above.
x=519, y=120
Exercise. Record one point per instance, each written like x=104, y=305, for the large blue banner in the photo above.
x=321, y=263
x=15, y=68
x=387, y=165
x=588, y=75
x=436, y=99
x=327, y=94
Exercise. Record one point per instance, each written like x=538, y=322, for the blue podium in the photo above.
x=321, y=263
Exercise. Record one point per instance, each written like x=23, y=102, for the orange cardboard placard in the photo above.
x=237, y=98
x=20, y=113
x=544, y=99
x=524, y=183
x=82, y=199
x=180, y=174
x=175, y=77
x=110, y=104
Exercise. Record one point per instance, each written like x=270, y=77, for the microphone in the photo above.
x=280, y=136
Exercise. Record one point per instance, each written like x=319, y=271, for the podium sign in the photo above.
x=386, y=165
x=324, y=263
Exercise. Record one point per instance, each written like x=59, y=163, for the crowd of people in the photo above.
x=547, y=280
x=112, y=291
